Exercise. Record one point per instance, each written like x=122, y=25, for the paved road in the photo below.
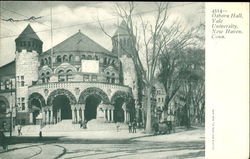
x=179, y=146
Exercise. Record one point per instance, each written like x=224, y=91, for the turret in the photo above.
x=121, y=40
x=28, y=48
x=28, y=40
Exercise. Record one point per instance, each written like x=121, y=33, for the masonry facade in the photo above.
x=59, y=84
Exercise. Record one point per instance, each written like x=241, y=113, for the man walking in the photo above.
x=134, y=126
x=129, y=127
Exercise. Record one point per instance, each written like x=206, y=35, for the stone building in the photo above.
x=71, y=81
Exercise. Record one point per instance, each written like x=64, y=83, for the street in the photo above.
x=187, y=144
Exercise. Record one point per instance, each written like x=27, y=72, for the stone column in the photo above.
x=43, y=116
x=51, y=117
x=128, y=116
x=125, y=115
x=108, y=111
x=112, y=115
x=77, y=115
x=31, y=118
x=47, y=117
x=73, y=115
x=83, y=117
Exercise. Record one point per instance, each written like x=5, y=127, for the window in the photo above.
x=112, y=80
x=159, y=99
x=59, y=59
x=108, y=79
x=2, y=85
x=70, y=58
x=96, y=57
x=23, y=103
x=69, y=75
x=43, y=78
x=94, y=78
x=89, y=57
x=18, y=102
x=22, y=81
x=61, y=76
x=65, y=58
x=86, y=78
x=46, y=61
x=83, y=57
x=7, y=84
x=105, y=60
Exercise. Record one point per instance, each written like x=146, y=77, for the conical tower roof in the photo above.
x=122, y=29
x=28, y=32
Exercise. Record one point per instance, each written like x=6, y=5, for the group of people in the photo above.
x=132, y=127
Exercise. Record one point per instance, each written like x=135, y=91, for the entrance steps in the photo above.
x=64, y=125
x=27, y=129
x=95, y=124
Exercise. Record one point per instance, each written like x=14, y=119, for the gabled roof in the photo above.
x=122, y=29
x=8, y=69
x=28, y=32
x=78, y=42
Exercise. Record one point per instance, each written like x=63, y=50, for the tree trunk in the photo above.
x=149, y=116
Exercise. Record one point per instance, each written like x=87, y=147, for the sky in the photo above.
x=70, y=17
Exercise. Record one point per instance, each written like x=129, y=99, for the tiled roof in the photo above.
x=28, y=32
x=8, y=69
x=79, y=42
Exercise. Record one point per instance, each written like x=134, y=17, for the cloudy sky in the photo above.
x=69, y=17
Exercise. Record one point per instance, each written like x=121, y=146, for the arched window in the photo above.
x=107, y=73
x=47, y=76
x=109, y=61
x=89, y=57
x=46, y=61
x=105, y=60
x=96, y=57
x=58, y=58
x=83, y=57
x=61, y=76
x=65, y=58
x=43, y=78
x=69, y=75
x=70, y=58
x=113, y=62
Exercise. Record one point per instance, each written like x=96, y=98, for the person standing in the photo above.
x=129, y=127
x=134, y=126
x=3, y=141
x=19, y=128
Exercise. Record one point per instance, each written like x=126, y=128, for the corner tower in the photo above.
x=122, y=46
x=28, y=48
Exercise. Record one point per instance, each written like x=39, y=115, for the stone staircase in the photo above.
x=64, y=125
x=28, y=129
x=95, y=124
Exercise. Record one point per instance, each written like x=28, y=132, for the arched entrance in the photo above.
x=122, y=104
x=61, y=108
x=36, y=102
x=118, y=111
x=36, y=110
x=91, y=105
x=61, y=101
x=92, y=97
x=4, y=104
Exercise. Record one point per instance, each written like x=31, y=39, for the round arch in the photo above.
x=97, y=92
x=38, y=97
x=121, y=94
x=58, y=92
x=4, y=100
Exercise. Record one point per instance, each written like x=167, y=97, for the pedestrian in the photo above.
x=134, y=126
x=129, y=127
x=117, y=126
x=40, y=135
x=156, y=128
x=19, y=128
x=3, y=141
